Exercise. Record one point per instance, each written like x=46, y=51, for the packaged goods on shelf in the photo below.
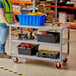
x=14, y=8
x=45, y=7
x=71, y=17
x=29, y=6
x=52, y=19
x=17, y=8
x=74, y=2
x=50, y=15
x=28, y=51
x=62, y=17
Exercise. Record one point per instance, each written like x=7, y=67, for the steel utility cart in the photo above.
x=63, y=56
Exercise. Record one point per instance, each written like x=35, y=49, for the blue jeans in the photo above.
x=4, y=31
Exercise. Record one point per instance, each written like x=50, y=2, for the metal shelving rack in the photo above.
x=62, y=42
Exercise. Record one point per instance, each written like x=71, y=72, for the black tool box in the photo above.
x=48, y=54
x=50, y=37
x=28, y=51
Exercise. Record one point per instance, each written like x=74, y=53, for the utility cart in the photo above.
x=62, y=56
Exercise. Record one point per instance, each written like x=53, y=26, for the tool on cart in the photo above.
x=55, y=24
x=27, y=49
x=48, y=54
x=26, y=45
x=32, y=33
x=22, y=36
x=49, y=37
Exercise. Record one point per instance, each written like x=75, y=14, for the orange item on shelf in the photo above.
x=25, y=2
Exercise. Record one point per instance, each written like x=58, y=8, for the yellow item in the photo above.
x=48, y=52
x=7, y=11
x=54, y=25
x=39, y=13
x=35, y=13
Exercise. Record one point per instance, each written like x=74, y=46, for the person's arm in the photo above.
x=14, y=19
x=3, y=15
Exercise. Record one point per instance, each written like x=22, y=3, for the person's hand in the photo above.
x=7, y=23
x=16, y=22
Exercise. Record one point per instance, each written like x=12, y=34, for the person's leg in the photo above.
x=2, y=48
x=3, y=38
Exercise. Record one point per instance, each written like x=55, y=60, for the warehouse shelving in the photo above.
x=16, y=13
x=66, y=7
x=24, y=2
x=34, y=3
x=36, y=42
x=64, y=55
x=54, y=6
x=62, y=42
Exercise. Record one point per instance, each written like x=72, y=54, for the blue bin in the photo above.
x=34, y=20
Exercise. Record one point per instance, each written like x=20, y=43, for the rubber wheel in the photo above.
x=58, y=66
x=15, y=60
x=38, y=54
x=65, y=61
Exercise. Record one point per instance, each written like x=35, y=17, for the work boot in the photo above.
x=4, y=55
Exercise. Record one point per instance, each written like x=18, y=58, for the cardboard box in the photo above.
x=45, y=7
x=17, y=8
x=13, y=7
x=74, y=2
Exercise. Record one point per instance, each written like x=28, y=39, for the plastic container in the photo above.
x=28, y=51
x=34, y=20
x=51, y=37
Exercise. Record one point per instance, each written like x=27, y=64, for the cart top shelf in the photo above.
x=46, y=26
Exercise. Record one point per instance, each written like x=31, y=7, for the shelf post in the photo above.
x=55, y=10
x=34, y=5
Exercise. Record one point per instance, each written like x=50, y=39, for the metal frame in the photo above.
x=62, y=55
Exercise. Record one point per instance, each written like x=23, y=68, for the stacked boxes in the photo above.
x=45, y=7
x=17, y=8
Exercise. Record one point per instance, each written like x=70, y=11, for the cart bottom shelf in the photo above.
x=64, y=55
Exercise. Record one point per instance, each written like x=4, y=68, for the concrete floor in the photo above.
x=42, y=68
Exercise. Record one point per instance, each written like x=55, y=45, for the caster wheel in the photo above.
x=37, y=54
x=24, y=61
x=15, y=60
x=65, y=60
x=58, y=66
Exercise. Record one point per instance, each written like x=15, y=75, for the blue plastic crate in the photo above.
x=34, y=20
